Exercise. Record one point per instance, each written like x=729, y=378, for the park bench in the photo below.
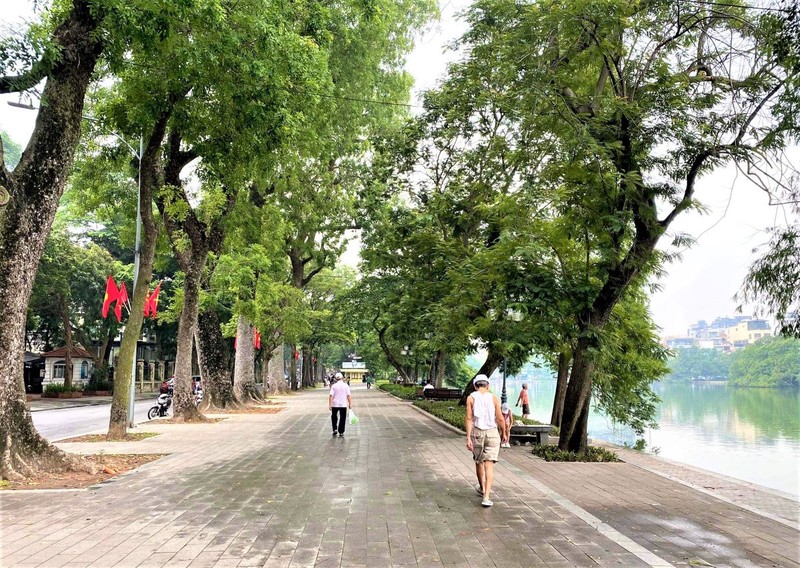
x=535, y=434
x=441, y=394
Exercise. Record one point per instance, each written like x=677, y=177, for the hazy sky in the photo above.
x=700, y=286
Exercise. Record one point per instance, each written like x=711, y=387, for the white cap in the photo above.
x=480, y=379
x=338, y=376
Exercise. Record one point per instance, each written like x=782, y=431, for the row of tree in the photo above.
x=246, y=125
x=521, y=212
x=527, y=208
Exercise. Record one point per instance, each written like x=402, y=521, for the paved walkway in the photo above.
x=278, y=490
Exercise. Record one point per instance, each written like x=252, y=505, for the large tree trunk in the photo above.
x=308, y=367
x=564, y=359
x=35, y=188
x=183, y=399
x=152, y=177
x=244, y=380
x=489, y=366
x=214, y=363
x=67, y=343
x=293, y=379
x=440, y=361
x=575, y=418
x=275, y=372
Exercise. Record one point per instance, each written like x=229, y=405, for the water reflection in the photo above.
x=750, y=434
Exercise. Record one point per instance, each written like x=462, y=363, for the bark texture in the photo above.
x=214, y=363
x=276, y=383
x=35, y=188
x=561, y=388
x=244, y=378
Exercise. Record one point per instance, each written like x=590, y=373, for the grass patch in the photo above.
x=592, y=454
x=405, y=392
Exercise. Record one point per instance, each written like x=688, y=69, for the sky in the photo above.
x=700, y=286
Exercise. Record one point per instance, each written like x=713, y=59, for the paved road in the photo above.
x=77, y=421
x=278, y=491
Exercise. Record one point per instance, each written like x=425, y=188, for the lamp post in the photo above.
x=503, y=393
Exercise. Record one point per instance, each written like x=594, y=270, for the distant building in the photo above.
x=353, y=370
x=55, y=366
x=680, y=342
x=748, y=331
x=725, y=333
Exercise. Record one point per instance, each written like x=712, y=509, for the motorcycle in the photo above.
x=163, y=404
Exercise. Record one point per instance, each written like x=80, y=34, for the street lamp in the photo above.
x=137, y=245
x=515, y=316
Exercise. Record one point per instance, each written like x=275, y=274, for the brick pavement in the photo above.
x=278, y=490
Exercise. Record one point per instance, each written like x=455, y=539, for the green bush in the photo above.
x=449, y=411
x=98, y=385
x=456, y=415
x=592, y=454
x=55, y=389
x=400, y=391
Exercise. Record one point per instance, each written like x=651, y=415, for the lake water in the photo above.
x=746, y=433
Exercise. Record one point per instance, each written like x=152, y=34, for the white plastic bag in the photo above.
x=353, y=418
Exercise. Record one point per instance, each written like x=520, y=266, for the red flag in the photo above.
x=151, y=303
x=297, y=355
x=122, y=298
x=257, y=339
x=112, y=293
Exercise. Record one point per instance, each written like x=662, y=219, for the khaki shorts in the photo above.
x=485, y=444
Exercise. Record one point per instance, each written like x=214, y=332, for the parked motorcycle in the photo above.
x=163, y=403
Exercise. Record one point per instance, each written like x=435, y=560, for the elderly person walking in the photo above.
x=484, y=418
x=339, y=400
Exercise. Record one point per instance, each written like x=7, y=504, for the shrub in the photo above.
x=400, y=391
x=449, y=411
x=592, y=454
x=98, y=385
x=55, y=389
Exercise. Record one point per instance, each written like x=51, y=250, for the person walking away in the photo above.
x=508, y=419
x=339, y=400
x=523, y=398
x=369, y=381
x=484, y=418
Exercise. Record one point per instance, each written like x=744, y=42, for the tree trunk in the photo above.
x=35, y=188
x=564, y=359
x=575, y=418
x=214, y=365
x=67, y=343
x=308, y=367
x=293, y=369
x=152, y=178
x=489, y=366
x=275, y=372
x=183, y=399
x=440, y=369
x=244, y=380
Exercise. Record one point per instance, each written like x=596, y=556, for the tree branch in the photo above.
x=25, y=81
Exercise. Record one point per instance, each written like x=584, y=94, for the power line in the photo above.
x=745, y=7
x=370, y=101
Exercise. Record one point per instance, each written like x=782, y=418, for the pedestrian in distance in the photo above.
x=339, y=400
x=523, y=399
x=483, y=424
x=508, y=419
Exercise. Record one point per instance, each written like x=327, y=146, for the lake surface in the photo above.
x=746, y=433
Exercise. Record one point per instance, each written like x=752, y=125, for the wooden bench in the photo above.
x=535, y=434
x=439, y=394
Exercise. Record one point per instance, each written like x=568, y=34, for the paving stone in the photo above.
x=278, y=491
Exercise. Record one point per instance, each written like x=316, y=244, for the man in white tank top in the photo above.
x=483, y=438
